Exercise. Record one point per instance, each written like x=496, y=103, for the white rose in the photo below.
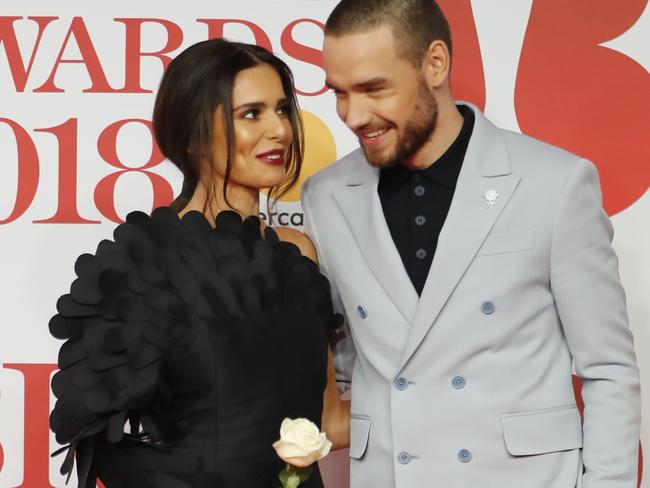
x=301, y=444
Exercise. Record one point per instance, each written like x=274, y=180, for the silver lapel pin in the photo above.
x=490, y=197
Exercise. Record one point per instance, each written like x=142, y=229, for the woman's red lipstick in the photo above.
x=274, y=158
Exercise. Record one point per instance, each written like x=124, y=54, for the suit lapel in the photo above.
x=486, y=168
x=359, y=203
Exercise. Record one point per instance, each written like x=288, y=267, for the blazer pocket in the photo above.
x=359, y=433
x=506, y=242
x=542, y=431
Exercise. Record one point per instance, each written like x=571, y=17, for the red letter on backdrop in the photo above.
x=134, y=53
x=467, y=79
x=88, y=57
x=66, y=212
x=586, y=98
x=28, y=170
x=215, y=30
x=302, y=52
x=105, y=190
x=19, y=73
x=36, y=472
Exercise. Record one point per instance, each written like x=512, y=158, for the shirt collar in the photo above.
x=444, y=171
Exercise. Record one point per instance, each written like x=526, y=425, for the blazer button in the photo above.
x=487, y=308
x=362, y=312
x=401, y=383
x=458, y=382
x=404, y=458
x=464, y=456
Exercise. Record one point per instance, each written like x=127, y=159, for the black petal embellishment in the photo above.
x=68, y=307
x=86, y=290
x=115, y=428
x=64, y=328
x=142, y=298
x=86, y=265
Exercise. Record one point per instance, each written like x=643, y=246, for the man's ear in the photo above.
x=436, y=64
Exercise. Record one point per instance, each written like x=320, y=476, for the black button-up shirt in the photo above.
x=416, y=203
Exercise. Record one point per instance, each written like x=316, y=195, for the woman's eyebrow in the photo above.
x=258, y=105
x=250, y=105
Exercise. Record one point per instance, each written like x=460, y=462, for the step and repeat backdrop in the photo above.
x=77, y=85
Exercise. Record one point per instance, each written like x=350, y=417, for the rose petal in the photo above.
x=301, y=444
x=288, y=449
x=325, y=449
x=303, y=462
x=285, y=425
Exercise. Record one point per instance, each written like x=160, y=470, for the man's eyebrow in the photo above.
x=329, y=85
x=364, y=85
x=371, y=83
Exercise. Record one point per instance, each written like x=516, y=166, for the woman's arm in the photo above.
x=336, y=412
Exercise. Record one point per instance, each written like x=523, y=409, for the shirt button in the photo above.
x=362, y=312
x=420, y=254
x=419, y=191
x=464, y=456
x=417, y=176
x=487, y=308
x=404, y=458
x=458, y=382
x=401, y=383
x=420, y=220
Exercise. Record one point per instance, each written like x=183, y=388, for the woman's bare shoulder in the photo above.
x=299, y=239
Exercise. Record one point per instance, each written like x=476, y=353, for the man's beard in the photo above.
x=417, y=132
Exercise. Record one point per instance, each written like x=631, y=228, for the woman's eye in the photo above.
x=283, y=110
x=250, y=114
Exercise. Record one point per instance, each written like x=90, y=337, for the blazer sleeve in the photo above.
x=591, y=305
x=343, y=347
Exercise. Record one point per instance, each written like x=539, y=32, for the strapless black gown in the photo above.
x=186, y=348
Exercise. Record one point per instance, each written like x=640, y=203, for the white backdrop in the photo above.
x=76, y=96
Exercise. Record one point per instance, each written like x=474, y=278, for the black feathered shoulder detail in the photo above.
x=144, y=294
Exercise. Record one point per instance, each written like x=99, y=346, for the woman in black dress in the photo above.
x=192, y=335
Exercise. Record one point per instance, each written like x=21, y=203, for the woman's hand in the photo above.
x=336, y=412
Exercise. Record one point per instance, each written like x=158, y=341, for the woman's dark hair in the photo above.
x=195, y=84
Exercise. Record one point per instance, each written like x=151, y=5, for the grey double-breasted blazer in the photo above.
x=470, y=384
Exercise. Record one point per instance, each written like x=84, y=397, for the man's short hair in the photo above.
x=415, y=23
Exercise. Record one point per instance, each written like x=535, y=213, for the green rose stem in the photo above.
x=291, y=476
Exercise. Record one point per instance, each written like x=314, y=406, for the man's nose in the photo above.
x=356, y=114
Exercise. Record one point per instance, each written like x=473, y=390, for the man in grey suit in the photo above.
x=474, y=267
